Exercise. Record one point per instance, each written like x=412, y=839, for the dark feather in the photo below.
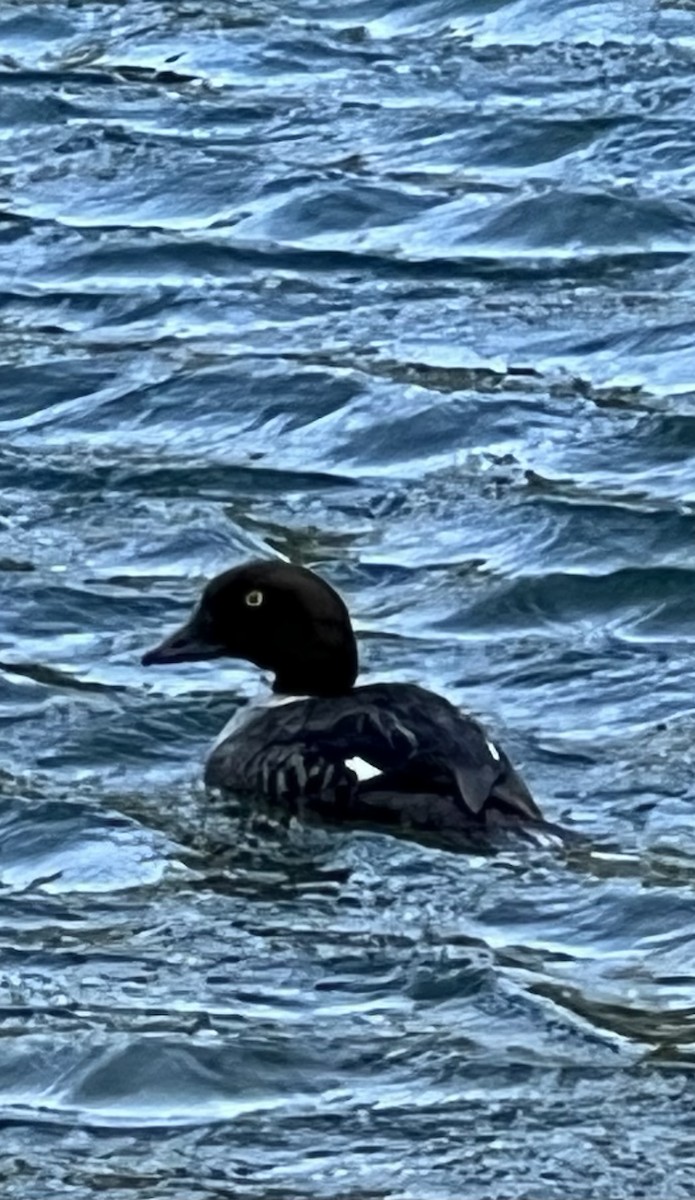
x=437, y=768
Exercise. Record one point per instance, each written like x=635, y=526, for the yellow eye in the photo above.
x=253, y=599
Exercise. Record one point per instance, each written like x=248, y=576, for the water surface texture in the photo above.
x=403, y=291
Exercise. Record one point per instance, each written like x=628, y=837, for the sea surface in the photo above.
x=403, y=290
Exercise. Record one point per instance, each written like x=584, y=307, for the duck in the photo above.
x=321, y=745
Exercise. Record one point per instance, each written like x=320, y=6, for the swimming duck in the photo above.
x=382, y=753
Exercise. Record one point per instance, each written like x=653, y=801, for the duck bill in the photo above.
x=187, y=644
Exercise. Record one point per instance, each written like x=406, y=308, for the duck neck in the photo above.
x=318, y=678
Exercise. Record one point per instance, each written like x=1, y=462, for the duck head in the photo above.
x=283, y=618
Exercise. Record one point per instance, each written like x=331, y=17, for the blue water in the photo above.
x=405, y=292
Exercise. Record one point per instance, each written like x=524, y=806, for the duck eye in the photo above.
x=253, y=599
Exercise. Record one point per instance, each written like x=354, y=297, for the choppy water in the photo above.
x=404, y=291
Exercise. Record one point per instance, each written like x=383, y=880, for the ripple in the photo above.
x=64, y=847
x=404, y=294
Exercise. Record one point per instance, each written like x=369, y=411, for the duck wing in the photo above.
x=384, y=751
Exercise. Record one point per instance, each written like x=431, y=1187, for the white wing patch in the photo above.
x=363, y=770
x=493, y=749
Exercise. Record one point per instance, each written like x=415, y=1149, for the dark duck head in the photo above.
x=283, y=618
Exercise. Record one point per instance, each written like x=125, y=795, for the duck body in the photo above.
x=388, y=753
x=391, y=754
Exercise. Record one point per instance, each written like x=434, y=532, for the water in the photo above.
x=404, y=292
